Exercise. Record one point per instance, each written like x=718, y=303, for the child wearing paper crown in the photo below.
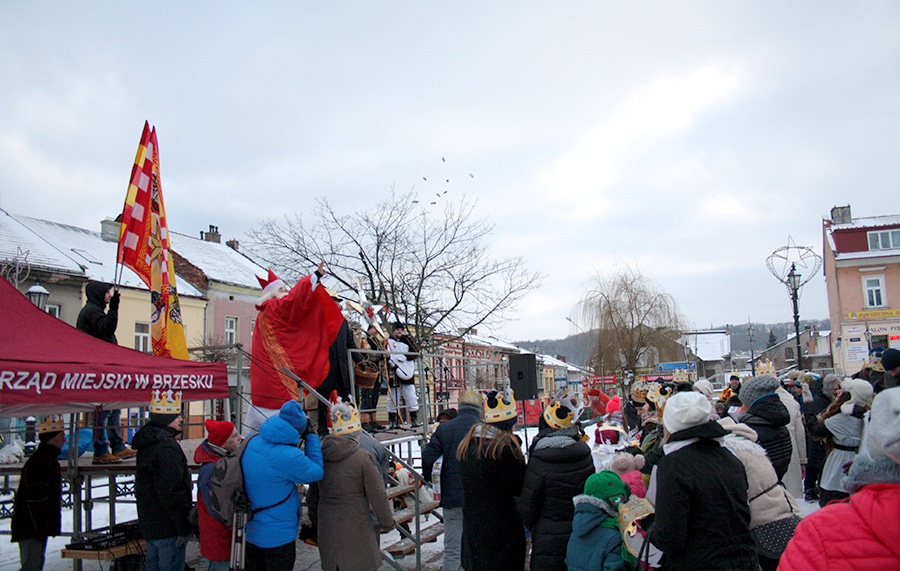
x=596, y=542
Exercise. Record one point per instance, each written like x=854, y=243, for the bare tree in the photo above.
x=635, y=323
x=430, y=267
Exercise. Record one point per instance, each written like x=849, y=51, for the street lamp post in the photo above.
x=793, y=283
x=752, y=357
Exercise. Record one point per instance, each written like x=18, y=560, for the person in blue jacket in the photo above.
x=596, y=542
x=273, y=465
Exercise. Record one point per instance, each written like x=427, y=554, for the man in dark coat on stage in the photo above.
x=95, y=320
x=36, y=509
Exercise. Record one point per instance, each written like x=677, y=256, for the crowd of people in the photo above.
x=678, y=476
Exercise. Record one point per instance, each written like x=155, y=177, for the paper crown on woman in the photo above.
x=165, y=402
x=562, y=411
x=639, y=392
x=499, y=406
x=51, y=423
x=345, y=418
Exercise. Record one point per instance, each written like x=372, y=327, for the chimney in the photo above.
x=233, y=244
x=109, y=230
x=211, y=236
x=841, y=215
x=561, y=358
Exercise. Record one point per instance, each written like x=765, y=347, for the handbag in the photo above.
x=771, y=538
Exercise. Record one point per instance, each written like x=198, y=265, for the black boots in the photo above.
x=394, y=420
x=414, y=419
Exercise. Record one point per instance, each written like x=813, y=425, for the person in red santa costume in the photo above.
x=294, y=329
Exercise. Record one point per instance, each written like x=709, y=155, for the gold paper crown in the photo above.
x=681, y=376
x=766, y=367
x=165, y=402
x=470, y=396
x=504, y=406
x=51, y=423
x=658, y=395
x=562, y=411
x=639, y=391
x=345, y=418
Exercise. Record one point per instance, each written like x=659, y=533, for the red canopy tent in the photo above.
x=48, y=366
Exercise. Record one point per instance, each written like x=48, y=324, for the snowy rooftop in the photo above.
x=68, y=249
x=710, y=345
x=869, y=222
x=218, y=261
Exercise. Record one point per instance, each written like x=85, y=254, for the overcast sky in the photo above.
x=688, y=139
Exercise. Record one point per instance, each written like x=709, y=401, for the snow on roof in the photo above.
x=493, y=342
x=219, y=262
x=840, y=256
x=69, y=249
x=869, y=222
x=710, y=345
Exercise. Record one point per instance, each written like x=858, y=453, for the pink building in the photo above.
x=862, y=276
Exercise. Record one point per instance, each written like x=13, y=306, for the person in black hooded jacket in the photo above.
x=764, y=412
x=702, y=510
x=96, y=321
x=559, y=463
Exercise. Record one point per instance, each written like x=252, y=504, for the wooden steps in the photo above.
x=406, y=546
x=407, y=514
x=394, y=491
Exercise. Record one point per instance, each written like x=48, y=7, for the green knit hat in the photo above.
x=606, y=485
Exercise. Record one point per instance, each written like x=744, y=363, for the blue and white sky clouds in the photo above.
x=687, y=138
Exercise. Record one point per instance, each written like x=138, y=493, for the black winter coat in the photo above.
x=769, y=418
x=93, y=318
x=443, y=443
x=36, y=509
x=338, y=377
x=558, y=465
x=493, y=535
x=702, y=513
x=162, y=483
x=815, y=446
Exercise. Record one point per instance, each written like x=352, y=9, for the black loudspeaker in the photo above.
x=523, y=376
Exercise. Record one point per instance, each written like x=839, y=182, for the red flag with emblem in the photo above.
x=144, y=247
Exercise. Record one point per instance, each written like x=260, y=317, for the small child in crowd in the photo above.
x=596, y=542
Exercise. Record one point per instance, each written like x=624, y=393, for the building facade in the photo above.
x=862, y=275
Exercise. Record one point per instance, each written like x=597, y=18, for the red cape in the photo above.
x=294, y=331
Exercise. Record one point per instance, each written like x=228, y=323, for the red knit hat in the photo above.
x=614, y=404
x=219, y=431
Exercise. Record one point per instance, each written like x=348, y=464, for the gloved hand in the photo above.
x=114, y=301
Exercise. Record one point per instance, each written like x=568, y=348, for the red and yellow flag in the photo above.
x=144, y=247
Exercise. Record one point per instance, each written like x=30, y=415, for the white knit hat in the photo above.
x=685, y=410
x=882, y=434
x=860, y=391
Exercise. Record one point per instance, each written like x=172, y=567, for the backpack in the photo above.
x=226, y=488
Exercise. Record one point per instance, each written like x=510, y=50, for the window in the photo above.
x=873, y=291
x=884, y=240
x=142, y=337
x=54, y=309
x=252, y=327
x=231, y=330
x=789, y=353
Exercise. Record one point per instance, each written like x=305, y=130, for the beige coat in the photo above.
x=793, y=479
x=768, y=500
x=343, y=503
